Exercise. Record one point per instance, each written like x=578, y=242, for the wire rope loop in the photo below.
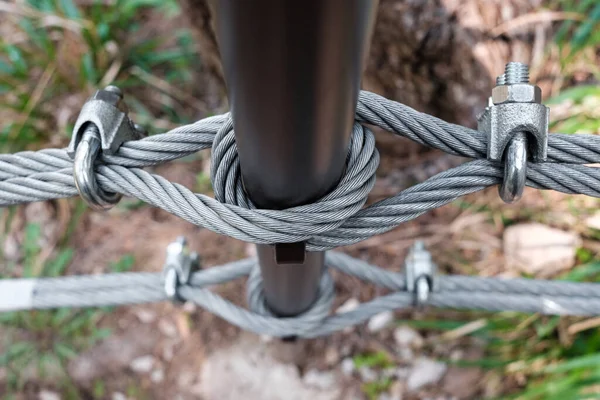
x=86, y=154
x=305, y=322
x=515, y=169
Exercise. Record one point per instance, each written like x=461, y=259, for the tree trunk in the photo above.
x=439, y=56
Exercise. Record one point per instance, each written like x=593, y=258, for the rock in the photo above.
x=118, y=396
x=185, y=379
x=425, y=372
x=406, y=354
x=380, y=321
x=367, y=374
x=167, y=328
x=247, y=370
x=48, y=395
x=142, y=365
x=397, y=390
x=462, y=383
x=539, y=249
x=266, y=338
x=402, y=373
x=157, y=376
x=332, y=356
x=349, y=305
x=11, y=248
x=347, y=366
x=405, y=336
x=168, y=351
x=319, y=379
x=189, y=307
x=145, y=316
x=593, y=221
x=389, y=373
x=111, y=355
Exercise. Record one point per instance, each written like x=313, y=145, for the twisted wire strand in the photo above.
x=313, y=223
x=372, y=109
x=526, y=295
x=337, y=219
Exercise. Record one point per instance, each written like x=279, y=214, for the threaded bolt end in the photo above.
x=114, y=89
x=501, y=80
x=516, y=72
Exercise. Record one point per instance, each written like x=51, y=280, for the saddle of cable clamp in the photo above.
x=516, y=123
x=420, y=273
x=102, y=127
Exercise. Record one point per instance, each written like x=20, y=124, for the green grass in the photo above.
x=578, y=41
x=553, y=363
x=38, y=345
x=374, y=360
x=58, y=53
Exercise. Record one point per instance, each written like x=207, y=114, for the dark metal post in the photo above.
x=293, y=72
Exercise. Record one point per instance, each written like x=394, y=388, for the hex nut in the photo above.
x=503, y=121
x=516, y=93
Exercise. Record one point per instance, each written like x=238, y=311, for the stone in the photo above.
x=111, y=355
x=145, y=316
x=157, y=376
x=405, y=336
x=380, y=321
x=425, y=372
x=168, y=351
x=142, y=365
x=247, y=370
x=367, y=374
x=167, y=328
x=593, y=221
x=185, y=379
x=463, y=383
x=48, y=395
x=332, y=356
x=349, y=305
x=347, y=366
x=538, y=249
x=406, y=354
x=319, y=379
x=397, y=390
x=189, y=307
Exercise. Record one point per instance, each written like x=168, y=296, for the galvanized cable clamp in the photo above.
x=516, y=123
x=178, y=268
x=102, y=127
x=420, y=273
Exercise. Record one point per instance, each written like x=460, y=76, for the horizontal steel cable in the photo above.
x=372, y=109
x=335, y=220
x=310, y=222
x=526, y=295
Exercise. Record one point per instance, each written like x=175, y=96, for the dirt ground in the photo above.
x=178, y=351
x=182, y=352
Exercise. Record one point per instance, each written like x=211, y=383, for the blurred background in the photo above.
x=440, y=57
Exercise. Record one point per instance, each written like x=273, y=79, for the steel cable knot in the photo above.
x=298, y=223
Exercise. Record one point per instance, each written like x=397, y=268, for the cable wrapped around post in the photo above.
x=337, y=219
